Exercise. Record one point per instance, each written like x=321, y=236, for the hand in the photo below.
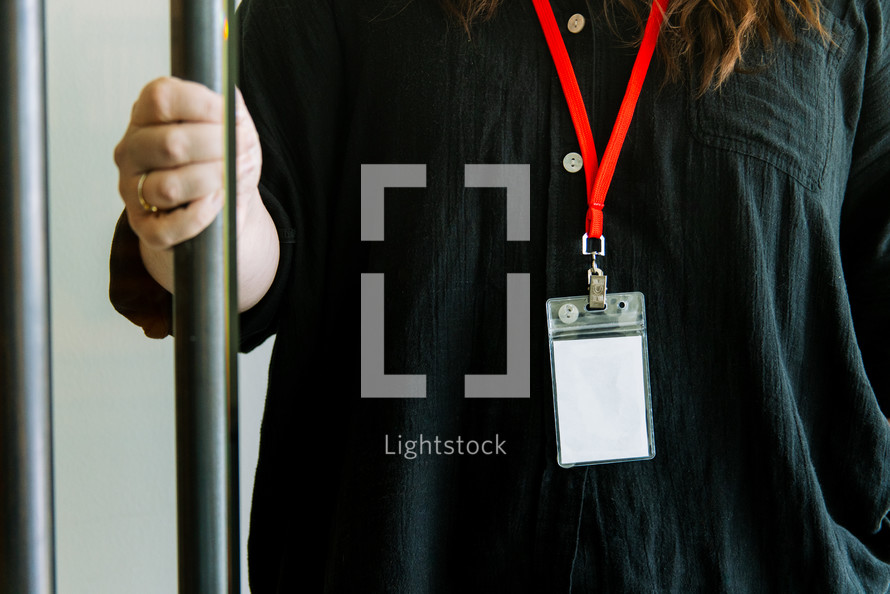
x=174, y=145
x=175, y=139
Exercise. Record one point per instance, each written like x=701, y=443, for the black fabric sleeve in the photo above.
x=132, y=290
x=865, y=224
x=139, y=298
x=292, y=82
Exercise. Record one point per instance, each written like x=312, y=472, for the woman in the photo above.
x=747, y=205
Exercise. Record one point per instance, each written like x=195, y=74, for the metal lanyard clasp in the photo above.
x=596, y=279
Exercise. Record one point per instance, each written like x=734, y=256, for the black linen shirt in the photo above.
x=755, y=219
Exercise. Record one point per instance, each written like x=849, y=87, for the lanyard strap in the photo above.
x=599, y=177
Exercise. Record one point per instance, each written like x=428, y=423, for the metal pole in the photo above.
x=27, y=560
x=205, y=329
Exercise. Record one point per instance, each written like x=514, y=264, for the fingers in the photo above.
x=164, y=147
x=187, y=199
x=169, y=100
x=174, y=144
x=168, y=189
x=162, y=231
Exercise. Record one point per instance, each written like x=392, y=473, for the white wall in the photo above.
x=113, y=388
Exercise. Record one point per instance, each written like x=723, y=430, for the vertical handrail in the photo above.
x=27, y=553
x=205, y=330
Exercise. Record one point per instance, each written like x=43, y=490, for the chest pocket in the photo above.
x=783, y=111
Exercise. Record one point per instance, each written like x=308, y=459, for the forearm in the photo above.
x=258, y=255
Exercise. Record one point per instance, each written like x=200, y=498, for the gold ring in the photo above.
x=145, y=205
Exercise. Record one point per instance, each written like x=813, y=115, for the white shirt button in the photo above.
x=572, y=162
x=576, y=23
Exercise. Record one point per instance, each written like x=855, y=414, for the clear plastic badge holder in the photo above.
x=600, y=369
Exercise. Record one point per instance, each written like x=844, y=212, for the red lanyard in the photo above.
x=599, y=177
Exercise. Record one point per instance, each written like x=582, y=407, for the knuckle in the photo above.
x=169, y=189
x=215, y=208
x=210, y=110
x=167, y=238
x=156, y=97
x=174, y=147
x=119, y=154
x=121, y=189
x=123, y=152
x=157, y=238
x=210, y=207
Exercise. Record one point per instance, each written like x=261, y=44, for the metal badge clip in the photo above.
x=596, y=283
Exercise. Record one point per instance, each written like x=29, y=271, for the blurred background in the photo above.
x=115, y=492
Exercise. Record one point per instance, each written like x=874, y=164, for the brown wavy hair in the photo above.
x=710, y=36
